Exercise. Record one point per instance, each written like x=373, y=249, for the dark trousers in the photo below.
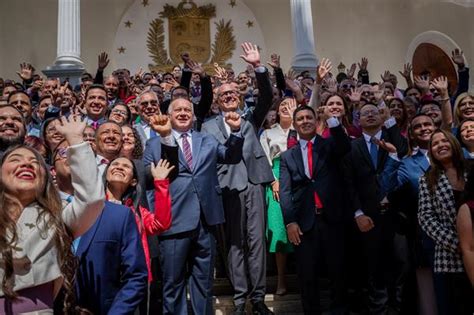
x=188, y=258
x=380, y=253
x=321, y=247
x=245, y=240
x=459, y=293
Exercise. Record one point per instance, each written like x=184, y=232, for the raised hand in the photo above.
x=233, y=120
x=72, y=129
x=221, y=73
x=195, y=67
x=161, y=170
x=185, y=57
x=351, y=71
x=251, y=54
x=363, y=64
x=291, y=74
x=161, y=124
x=26, y=71
x=385, y=76
x=387, y=146
x=323, y=69
x=274, y=61
x=441, y=85
x=407, y=69
x=422, y=83
x=378, y=92
x=291, y=85
x=355, y=95
x=458, y=58
x=102, y=61
x=290, y=105
x=332, y=84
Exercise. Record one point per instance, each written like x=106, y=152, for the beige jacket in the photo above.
x=35, y=254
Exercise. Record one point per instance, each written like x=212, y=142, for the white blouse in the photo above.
x=274, y=141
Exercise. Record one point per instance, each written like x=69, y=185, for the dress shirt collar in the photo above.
x=177, y=134
x=304, y=143
x=367, y=138
x=65, y=196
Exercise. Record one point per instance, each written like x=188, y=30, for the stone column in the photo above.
x=68, y=62
x=304, y=57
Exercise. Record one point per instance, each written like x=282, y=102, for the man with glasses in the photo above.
x=148, y=106
x=432, y=109
x=373, y=213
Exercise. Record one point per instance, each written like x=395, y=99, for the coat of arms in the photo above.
x=189, y=30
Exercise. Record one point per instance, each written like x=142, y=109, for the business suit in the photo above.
x=196, y=210
x=323, y=234
x=366, y=193
x=243, y=195
x=112, y=274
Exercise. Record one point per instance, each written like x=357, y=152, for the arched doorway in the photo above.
x=432, y=60
x=431, y=52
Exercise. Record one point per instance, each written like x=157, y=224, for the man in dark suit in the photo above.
x=310, y=181
x=243, y=190
x=372, y=211
x=189, y=245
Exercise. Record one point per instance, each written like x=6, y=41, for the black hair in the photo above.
x=16, y=93
x=95, y=86
x=302, y=108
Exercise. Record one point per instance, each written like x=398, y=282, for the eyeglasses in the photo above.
x=146, y=103
x=369, y=113
x=61, y=153
x=466, y=105
x=428, y=109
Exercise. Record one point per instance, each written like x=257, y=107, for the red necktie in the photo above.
x=317, y=201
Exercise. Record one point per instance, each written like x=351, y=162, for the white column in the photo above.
x=69, y=33
x=304, y=57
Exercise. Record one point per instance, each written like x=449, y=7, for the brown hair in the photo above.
x=436, y=168
x=51, y=214
x=457, y=119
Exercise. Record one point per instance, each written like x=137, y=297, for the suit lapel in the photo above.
x=296, y=152
x=421, y=161
x=220, y=125
x=317, y=164
x=197, y=141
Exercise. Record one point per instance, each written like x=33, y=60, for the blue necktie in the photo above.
x=373, y=152
x=152, y=133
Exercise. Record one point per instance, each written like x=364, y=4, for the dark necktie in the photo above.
x=187, y=150
x=317, y=200
x=373, y=152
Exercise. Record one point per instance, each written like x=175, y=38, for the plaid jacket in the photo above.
x=437, y=217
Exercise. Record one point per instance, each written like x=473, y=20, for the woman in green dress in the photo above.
x=274, y=143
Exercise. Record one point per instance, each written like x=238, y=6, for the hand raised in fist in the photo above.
x=161, y=124
x=233, y=120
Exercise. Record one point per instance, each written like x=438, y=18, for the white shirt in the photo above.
x=367, y=138
x=304, y=153
x=177, y=136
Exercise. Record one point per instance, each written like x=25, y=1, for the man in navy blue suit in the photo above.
x=189, y=245
x=112, y=274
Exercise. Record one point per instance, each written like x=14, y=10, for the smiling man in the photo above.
x=96, y=105
x=109, y=143
x=12, y=127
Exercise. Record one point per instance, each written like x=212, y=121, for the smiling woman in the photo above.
x=36, y=232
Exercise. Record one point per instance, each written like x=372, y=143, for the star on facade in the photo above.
x=145, y=3
x=249, y=24
x=128, y=24
x=232, y=3
x=121, y=50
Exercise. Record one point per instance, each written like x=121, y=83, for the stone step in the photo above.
x=280, y=305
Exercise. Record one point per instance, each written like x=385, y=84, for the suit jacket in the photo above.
x=297, y=190
x=364, y=181
x=112, y=274
x=196, y=192
x=254, y=167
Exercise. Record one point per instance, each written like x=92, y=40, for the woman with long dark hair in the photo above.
x=36, y=231
x=441, y=190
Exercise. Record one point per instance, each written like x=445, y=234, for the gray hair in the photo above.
x=142, y=94
x=170, y=107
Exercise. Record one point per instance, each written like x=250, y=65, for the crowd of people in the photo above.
x=119, y=194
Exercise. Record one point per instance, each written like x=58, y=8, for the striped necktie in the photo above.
x=187, y=150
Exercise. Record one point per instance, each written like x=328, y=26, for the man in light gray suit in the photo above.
x=243, y=190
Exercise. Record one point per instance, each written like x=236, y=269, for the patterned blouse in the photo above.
x=437, y=213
